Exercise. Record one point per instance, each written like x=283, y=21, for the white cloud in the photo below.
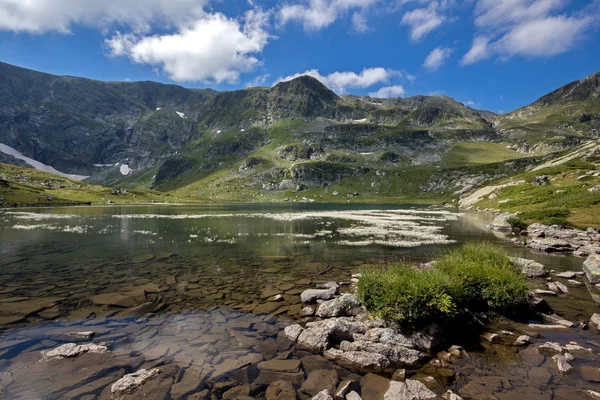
x=319, y=14
x=40, y=16
x=360, y=22
x=479, y=51
x=389, y=91
x=437, y=57
x=530, y=28
x=340, y=81
x=423, y=20
x=212, y=48
x=259, y=80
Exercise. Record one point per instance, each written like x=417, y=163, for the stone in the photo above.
x=293, y=331
x=562, y=287
x=531, y=268
x=319, y=380
x=268, y=377
x=312, y=295
x=492, y=337
x=344, y=388
x=69, y=350
x=596, y=320
x=591, y=267
x=547, y=326
x=280, y=365
x=82, y=335
x=267, y=308
x=308, y=311
x=237, y=392
x=501, y=224
x=590, y=393
x=558, y=320
x=545, y=292
x=551, y=347
x=353, y=396
x=328, y=285
x=408, y=390
x=522, y=340
x=230, y=365
x=399, y=375
x=190, y=381
x=567, y=275
x=590, y=374
x=130, y=382
x=323, y=395
x=345, y=305
x=450, y=395
x=541, y=180
x=397, y=355
x=281, y=390
x=562, y=364
x=361, y=360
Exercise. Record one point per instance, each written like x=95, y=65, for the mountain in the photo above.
x=297, y=139
x=562, y=119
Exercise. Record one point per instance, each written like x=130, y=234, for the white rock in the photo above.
x=562, y=364
x=522, y=340
x=323, y=395
x=353, y=396
x=130, y=382
x=69, y=350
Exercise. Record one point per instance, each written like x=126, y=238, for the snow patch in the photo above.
x=366, y=154
x=102, y=165
x=125, y=170
x=218, y=132
x=360, y=120
x=182, y=115
x=242, y=130
x=157, y=108
x=36, y=164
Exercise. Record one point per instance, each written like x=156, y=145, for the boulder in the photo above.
x=361, y=360
x=318, y=380
x=500, y=222
x=398, y=356
x=591, y=267
x=312, y=295
x=345, y=305
x=323, y=395
x=531, y=268
x=596, y=320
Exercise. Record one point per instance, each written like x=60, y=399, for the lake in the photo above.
x=190, y=288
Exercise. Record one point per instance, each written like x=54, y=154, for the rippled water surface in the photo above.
x=190, y=287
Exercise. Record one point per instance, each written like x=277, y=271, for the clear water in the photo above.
x=203, y=272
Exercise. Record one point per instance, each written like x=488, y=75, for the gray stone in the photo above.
x=323, y=395
x=500, y=222
x=408, y=390
x=596, y=320
x=328, y=285
x=567, y=275
x=293, y=331
x=522, y=340
x=562, y=364
x=69, y=350
x=308, y=311
x=398, y=356
x=82, y=335
x=345, y=305
x=530, y=268
x=590, y=393
x=353, y=396
x=130, y=382
x=362, y=360
x=591, y=267
x=312, y=295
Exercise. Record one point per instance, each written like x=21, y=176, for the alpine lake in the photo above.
x=190, y=289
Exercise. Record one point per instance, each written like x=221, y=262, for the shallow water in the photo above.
x=205, y=276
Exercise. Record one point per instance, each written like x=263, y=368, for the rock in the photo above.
x=281, y=390
x=237, y=392
x=69, y=350
x=574, y=282
x=345, y=305
x=280, y=365
x=277, y=297
x=450, y=395
x=398, y=356
x=323, y=395
x=590, y=393
x=362, y=360
x=500, y=223
x=558, y=320
x=522, y=340
x=596, y=320
x=546, y=292
x=590, y=374
x=531, y=268
x=562, y=287
x=308, y=311
x=353, y=396
x=538, y=304
x=562, y=364
x=409, y=390
x=541, y=180
x=130, y=382
x=591, y=267
x=82, y=335
x=492, y=337
x=344, y=388
x=319, y=380
x=551, y=347
x=567, y=275
x=312, y=295
x=328, y=285
x=546, y=326
x=399, y=375
x=293, y=331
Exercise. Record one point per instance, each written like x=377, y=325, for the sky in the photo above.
x=497, y=55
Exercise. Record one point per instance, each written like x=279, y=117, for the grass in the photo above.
x=478, y=153
x=477, y=276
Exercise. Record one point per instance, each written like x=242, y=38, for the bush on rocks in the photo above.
x=479, y=276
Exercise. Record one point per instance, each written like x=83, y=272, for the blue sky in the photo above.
x=490, y=54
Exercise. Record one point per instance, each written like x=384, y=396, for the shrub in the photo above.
x=479, y=276
x=405, y=295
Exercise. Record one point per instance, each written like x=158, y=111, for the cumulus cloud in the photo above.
x=423, y=20
x=389, y=91
x=40, y=16
x=212, y=48
x=319, y=14
x=341, y=81
x=437, y=57
x=531, y=28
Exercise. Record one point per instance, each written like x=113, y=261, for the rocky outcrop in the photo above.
x=554, y=238
x=531, y=268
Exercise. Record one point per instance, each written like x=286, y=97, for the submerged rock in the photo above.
x=561, y=361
